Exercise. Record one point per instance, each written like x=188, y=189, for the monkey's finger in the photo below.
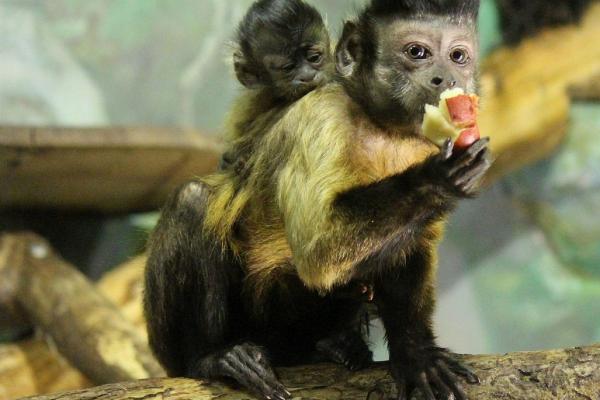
x=447, y=148
x=402, y=389
x=469, y=155
x=450, y=380
x=475, y=171
x=235, y=370
x=461, y=369
x=440, y=386
x=257, y=377
x=425, y=387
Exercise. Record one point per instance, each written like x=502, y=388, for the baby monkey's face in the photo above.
x=298, y=68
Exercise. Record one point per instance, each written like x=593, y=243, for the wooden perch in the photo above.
x=525, y=91
x=587, y=90
x=108, y=170
x=34, y=366
x=550, y=375
x=87, y=329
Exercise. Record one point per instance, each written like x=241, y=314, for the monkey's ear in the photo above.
x=348, y=52
x=243, y=71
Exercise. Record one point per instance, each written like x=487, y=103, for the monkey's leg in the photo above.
x=406, y=300
x=192, y=302
x=347, y=348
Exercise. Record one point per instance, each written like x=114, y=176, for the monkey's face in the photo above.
x=419, y=60
x=413, y=63
x=294, y=68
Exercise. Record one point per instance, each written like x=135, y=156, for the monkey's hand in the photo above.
x=248, y=365
x=431, y=370
x=461, y=173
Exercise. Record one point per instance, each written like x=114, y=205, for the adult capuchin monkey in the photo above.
x=342, y=188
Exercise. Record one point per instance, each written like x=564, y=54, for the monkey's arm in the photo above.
x=405, y=300
x=334, y=226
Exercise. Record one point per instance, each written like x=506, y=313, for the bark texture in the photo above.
x=560, y=374
x=87, y=329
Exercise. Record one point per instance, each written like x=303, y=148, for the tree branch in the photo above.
x=559, y=374
x=88, y=329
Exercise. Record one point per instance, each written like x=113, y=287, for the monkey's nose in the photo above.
x=305, y=75
x=437, y=81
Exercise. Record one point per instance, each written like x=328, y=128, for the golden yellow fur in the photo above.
x=321, y=147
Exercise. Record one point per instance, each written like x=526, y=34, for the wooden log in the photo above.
x=35, y=367
x=586, y=90
x=525, y=91
x=549, y=375
x=12, y=316
x=109, y=170
x=87, y=328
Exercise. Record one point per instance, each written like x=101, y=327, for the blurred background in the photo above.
x=520, y=266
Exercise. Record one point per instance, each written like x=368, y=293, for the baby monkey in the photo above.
x=282, y=52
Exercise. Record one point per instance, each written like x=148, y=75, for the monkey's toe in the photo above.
x=247, y=364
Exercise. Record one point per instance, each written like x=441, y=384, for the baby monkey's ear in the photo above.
x=244, y=71
x=348, y=52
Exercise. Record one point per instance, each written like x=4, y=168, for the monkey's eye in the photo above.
x=460, y=56
x=289, y=67
x=417, y=52
x=315, y=58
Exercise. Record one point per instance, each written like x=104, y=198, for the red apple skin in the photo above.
x=463, y=110
x=467, y=138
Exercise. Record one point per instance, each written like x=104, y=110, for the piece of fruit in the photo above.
x=462, y=110
x=467, y=138
x=454, y=118
x=437, y=128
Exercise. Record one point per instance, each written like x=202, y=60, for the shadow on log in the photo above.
x=560, y=374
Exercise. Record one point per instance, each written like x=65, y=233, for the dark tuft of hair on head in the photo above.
x=287, y=18
x=417, y=8
x=457, y=10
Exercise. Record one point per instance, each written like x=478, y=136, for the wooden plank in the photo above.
x=110, y=170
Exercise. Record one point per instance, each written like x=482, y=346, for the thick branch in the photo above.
x=526, y=99
x=559, y=374
x=87, y=328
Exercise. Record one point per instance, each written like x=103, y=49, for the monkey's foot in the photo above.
x=347, y=348
x=248, y=365
x=434, y=372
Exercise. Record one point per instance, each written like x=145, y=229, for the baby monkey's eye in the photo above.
x=417, y=51
x=314, y=58
x=460, y=56
x=288, y=67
